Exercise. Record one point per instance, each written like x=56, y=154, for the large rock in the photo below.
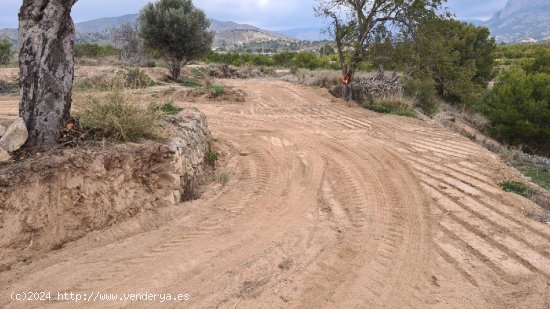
x=4, y=155
x=15, y=137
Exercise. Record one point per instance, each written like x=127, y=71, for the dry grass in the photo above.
x=133, y=78
x=116, y=118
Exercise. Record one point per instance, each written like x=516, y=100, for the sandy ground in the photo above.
x=327, y=206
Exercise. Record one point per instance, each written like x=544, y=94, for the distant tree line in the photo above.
x=291, y=60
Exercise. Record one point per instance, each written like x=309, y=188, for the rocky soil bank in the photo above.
x=58, y=197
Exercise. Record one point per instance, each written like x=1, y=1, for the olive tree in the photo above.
x=46, y=61
x=356, y=23
x=176, y=30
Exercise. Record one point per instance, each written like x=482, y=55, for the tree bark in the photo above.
x=46, y=61
x=346, y=87
x=175, y=69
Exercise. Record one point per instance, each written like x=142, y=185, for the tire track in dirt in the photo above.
x=328, y=206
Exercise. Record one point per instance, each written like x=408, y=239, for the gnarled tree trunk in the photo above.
x=46, y=61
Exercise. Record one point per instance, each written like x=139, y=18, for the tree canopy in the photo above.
x=459, y=57
x=355, y=24
x=176, y=30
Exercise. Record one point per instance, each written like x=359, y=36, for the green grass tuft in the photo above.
x=216, y=90
x=213, y=157
x=190, y=82
x=516, y=187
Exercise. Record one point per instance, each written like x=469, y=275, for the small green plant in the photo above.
x=516, y=187
x=167, y=108
x=190, y=82
x=213, y=157
x=119, y=119
x=216, y=90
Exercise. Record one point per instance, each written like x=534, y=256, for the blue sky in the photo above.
x=269, y=14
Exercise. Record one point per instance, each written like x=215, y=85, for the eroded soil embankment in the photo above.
x=53, y=199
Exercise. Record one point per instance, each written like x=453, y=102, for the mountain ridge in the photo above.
x=227, y=33
x=521, y=20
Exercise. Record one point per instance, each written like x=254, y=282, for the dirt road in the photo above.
x=327, y=205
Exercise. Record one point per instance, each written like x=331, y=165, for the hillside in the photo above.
x=521, y=20
x=308, y=34
x=10, y=34
x=228, y=34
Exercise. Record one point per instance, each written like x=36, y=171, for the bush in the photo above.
x=423, y=90
x=458, y=57
x=516, y=187
x=518, y=109
x=95, y=50
x=120, y=120
x=212, y=157
x=5, y=52
x=294, y=61
x=216, y=90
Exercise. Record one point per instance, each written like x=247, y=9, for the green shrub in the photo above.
x=516, y=187
x=306, y=60
x=423, y=90
x=167, y=108
x=518, y=109
x=216, y=90
x=95, y=50
x=212, y=157
x=119, y=119
x=458, y=57
x=5, y=52
x=284, y=59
